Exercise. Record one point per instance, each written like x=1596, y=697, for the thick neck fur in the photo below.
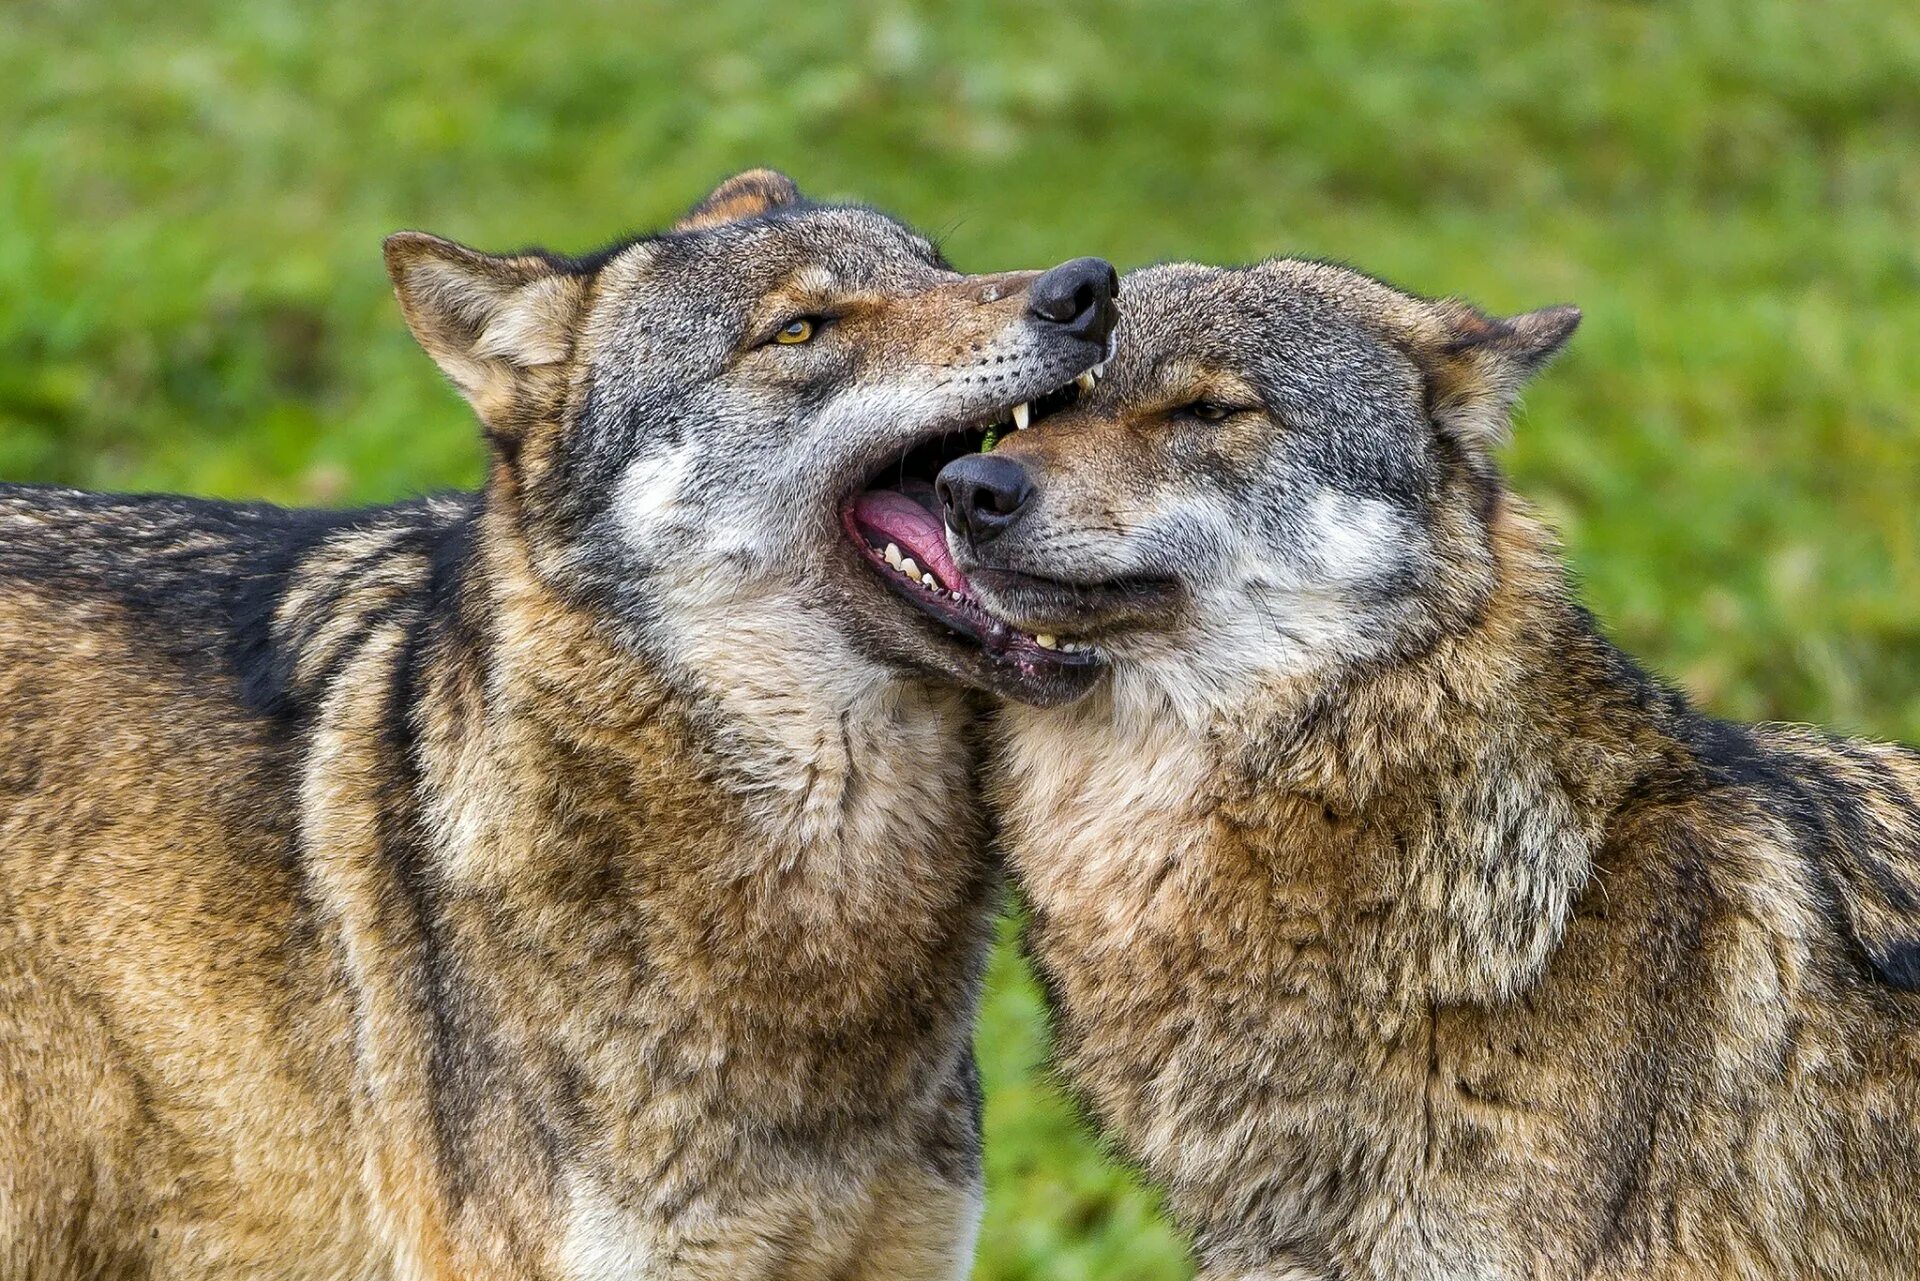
x=1249, y=927
x=1411, y=812
x=814, y=751
x=665, y=929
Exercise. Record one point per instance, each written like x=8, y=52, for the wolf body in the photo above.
x=581, y=878
x=1393, y=921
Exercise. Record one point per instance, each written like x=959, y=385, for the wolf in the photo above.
x=579, y=878
x=1393, y=921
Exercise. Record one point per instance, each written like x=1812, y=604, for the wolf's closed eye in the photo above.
x=1211, y=411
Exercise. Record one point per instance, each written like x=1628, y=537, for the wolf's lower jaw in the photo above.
x=897, y=525
x=928, y=581
x=903, y=572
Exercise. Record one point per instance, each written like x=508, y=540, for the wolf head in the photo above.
x=710, y=435
x=1287, y=470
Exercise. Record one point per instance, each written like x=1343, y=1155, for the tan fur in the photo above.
x=1487, y=958
x=1310, y=991
x=373, y=905
x=151, y=939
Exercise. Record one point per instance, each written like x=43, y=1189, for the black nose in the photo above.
x=982, y=494
x=1079, y=295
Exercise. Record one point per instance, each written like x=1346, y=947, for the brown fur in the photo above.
x=1488, y=958
x=374, y=903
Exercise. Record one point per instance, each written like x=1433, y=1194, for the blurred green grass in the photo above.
x=192, y=196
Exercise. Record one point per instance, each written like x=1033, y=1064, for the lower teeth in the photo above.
x=925, y=578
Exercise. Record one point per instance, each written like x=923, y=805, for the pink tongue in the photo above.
x=896, y=518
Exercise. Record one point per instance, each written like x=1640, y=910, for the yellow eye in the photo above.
x=795, y=331
x=1209, y=411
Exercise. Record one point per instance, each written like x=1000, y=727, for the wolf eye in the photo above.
x=1209, y=411
x=798, y=330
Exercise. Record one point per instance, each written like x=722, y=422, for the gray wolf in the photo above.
x=1394, y=921
x=580, y=878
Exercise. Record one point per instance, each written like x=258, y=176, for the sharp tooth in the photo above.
x=893, y=555
x=1086, y=380
x=928, y=581
x=1022, y=415
x=955, y=595
x=910, y=569
x=1047, y=642
x=1100, y=370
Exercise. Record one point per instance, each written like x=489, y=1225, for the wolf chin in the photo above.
x=1393, y=921
x=580, y=878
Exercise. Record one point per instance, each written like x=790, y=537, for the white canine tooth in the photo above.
x=1086, y=380
x=1047, y=642
x=893, y=555
x=1022, y=415
x=1100, y=370
x=910, y=569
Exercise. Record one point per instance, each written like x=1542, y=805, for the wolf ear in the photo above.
x=745, y=195
x=1479, y=364
x=487, y=320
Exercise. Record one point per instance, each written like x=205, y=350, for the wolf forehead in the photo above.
x=802, y=246
x=1331, y=357
x=1190, y=326
x=1359, y=365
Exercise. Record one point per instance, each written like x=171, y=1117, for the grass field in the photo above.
x=192, y=197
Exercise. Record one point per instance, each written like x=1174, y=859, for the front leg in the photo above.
x=922, y=1227
x=924, y=1213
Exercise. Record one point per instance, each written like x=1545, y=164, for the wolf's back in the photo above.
x=211, y=595
x=1852, y=810
x=166, y=982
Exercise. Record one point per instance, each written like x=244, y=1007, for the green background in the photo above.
x=192, y=197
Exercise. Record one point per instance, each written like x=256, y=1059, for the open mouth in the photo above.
x=895, y=522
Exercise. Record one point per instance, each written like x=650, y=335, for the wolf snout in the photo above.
x=1080, y=296
x=982, y=495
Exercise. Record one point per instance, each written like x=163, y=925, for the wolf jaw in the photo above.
x=895, y=523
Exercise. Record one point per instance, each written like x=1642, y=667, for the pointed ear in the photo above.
x=487, y=320
x=1479, y=364
x=745, y=195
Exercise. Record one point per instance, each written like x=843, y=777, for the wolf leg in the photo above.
x=70, y=1125
x=923, y=1229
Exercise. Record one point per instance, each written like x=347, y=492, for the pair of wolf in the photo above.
x=590, y=877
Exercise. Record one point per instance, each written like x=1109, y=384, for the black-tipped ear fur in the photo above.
x=745, y=195
x=487, y=320
x=1476, y=371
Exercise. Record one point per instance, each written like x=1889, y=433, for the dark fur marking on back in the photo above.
x=1825, y=814
x=198, y=578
